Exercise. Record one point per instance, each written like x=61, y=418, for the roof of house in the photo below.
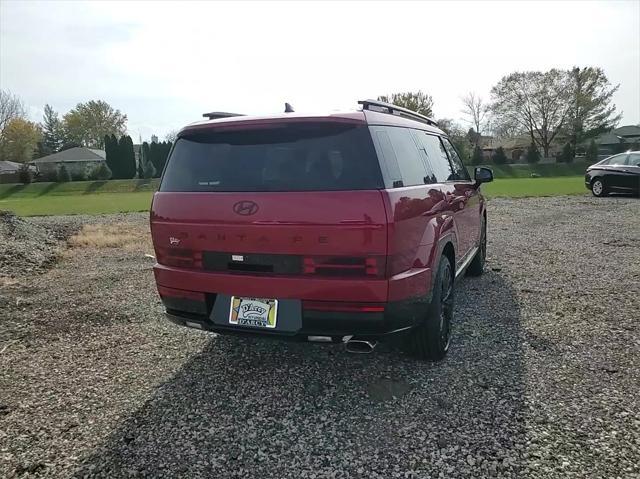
x=608, y=138
x=9, y=166
x=628, y=130
x=73, y=154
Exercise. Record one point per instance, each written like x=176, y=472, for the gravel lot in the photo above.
x=542, y=379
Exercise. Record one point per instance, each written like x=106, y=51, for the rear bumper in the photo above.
x=393, y=323
x=405, y=298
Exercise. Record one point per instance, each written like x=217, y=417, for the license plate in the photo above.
x=253, y=312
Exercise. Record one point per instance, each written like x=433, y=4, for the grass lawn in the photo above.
x=85, y=197
x=521, y=187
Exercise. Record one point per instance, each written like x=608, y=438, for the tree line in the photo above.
x=93, y=124
x=567, y=107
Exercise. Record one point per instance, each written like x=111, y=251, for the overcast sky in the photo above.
x=165, y=63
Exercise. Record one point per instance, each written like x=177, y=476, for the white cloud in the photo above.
x=165, y=63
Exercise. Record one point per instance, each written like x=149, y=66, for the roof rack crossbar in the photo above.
x=214, y=115
x=392, y=109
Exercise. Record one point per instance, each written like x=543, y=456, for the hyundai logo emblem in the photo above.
x=245, y=208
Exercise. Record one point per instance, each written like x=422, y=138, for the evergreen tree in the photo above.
x=477, y=157
x=592, y=151
x=113, y=155
x=499, y=157
x=533, y=155
x=127, y=157
x=566, y=156
x=52, y=131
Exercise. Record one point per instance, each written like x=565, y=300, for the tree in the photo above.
x=19, y=140
x=145, y=167
x=171, y=136
x=11, y=107
x=477, y=158
x=158, y=153
x=458, y=137
x=25, y=176
x=536, y=102
x=52, y=132
x=499, y=157
x=566, y=156
x=532, y=155
x=592, y=151
x=63, y=175
x=89, y=122
x=415, y=101
x=592, y=111
x=475, y=110
x=126, y=158
x=112, y=153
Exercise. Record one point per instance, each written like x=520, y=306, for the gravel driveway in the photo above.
x=542, y=379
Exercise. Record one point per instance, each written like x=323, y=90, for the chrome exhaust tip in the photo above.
x=360, y=346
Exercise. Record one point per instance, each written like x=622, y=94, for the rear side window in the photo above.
x=437, y=157
x=459, y=171
x=285, y=157
x=400, y=154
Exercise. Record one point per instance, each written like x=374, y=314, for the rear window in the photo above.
x=286, y=157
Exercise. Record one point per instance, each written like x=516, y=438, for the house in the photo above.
x=618, y=140
x=78, y=161
x=10, y=171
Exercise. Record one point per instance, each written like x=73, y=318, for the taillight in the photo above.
x=340, y=306
x=371, y=266
x=179, y=257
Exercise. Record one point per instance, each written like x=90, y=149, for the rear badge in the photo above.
x=174, y=241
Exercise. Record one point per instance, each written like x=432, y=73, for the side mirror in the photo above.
x=483, y=175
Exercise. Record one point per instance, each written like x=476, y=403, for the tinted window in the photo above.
x=437, y=157
x=459, y=171
x=400, y=155
x=615, y=160
x=634, y=159
x=286, y=157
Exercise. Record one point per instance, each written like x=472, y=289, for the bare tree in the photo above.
x=171, y=136
x=475, y=110
x=533, y=101
x=11, y=107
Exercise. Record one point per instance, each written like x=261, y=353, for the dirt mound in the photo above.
x=25, y=247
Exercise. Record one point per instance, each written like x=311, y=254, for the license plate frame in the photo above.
x=250, y=312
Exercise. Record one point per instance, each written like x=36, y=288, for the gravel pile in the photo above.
x=541, y=381
x=25, y=248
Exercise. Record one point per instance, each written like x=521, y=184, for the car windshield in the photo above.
x=285, y=157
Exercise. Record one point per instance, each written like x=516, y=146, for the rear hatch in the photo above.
x=297, y=198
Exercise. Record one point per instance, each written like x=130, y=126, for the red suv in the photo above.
x=344, y=227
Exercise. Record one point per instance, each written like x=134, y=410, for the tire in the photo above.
x=430, y=340
x=598, y=188
x=476, y=267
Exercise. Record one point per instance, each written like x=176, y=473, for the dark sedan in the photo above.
x=616, y=174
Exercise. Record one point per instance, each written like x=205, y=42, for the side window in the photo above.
x=409, y=159
x=386, y=156
x=437, y=157
x=616, y=160
x=400, y=157
x=459, y=171
x=634, y=159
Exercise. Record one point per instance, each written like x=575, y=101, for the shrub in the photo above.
x=592, y=151
x=148, y=171
x=63, y=175
x=477, y=157
x=100, y=172
x=533, y=155
x=499, y=157
x=566, y=156
x=78, y=175
x=24, y=175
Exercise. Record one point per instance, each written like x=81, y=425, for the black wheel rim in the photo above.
x=446, y=306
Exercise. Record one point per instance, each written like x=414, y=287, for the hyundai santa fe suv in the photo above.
x=346, y=227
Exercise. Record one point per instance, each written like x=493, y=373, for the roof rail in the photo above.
x=395, y=110
x=214, y=115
